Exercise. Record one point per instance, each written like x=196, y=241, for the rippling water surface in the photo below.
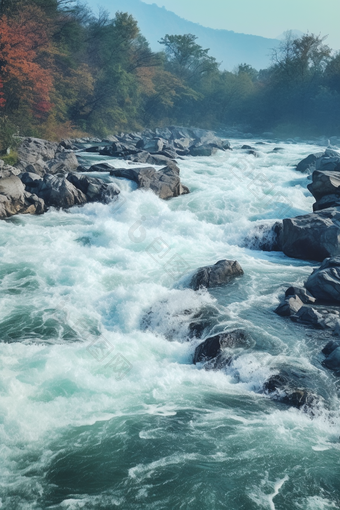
x=100, y=405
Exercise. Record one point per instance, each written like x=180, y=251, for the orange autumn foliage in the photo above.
x=22, y=42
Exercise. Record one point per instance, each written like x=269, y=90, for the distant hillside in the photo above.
x=228, y=47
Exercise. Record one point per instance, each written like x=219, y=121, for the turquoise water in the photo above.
x=100, y=405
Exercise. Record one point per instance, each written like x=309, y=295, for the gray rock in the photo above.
x=59, y=192
x=312, y=236
x=309, y=316
x=333, y=360
x=324, y=183
x=326, y=202
x=99, y=167
x=265, y=237
x=287, y=387
x=289, y=306
x=212, y=348
x=15, y=199
x=12, y=196
x=218, y=274
x=319, y=161
x=324, y=282
x=305, y=296
x=165, y=182
x=94, y=189
x=202, y=150
x=7, y=170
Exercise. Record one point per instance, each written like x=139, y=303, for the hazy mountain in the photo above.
x=228, y=47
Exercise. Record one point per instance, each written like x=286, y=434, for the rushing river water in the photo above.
x=100, y=404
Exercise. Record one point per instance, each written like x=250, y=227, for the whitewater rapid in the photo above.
x=100, y=404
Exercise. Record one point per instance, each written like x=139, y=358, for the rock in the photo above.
x=330, y=347
x=40, y=156
x=286, y=387
x=14, y=199
x=7, y=170
x=33, y=150
x=324, y=282
x=59, y=192
x=327, y=160
x=305, y=296
x=154, y=145
x=165, y=182
x=94, y=189
x=265, y=237
x=218, y=274
x=253, y=153
x=68, y=145
x=326, y=202
x=312, y=236
x=35, y=205
x=324, y=183
x=309, y=316
x=202, y=150
x=213, y=348
x=100, y=167
x=289, y=306
x=64, y=162
x=247, y=147
x=333, y=360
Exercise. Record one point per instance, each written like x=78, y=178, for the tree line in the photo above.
x=65, y=71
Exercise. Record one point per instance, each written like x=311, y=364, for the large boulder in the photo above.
x=289, y=306
x=218, y=274
x=327, y=160
x=14, y=199
x=332, y=353
x=94, y=189
x=312, y=236
x=57, y=191
x=165, y=183
x=326, y=202
x=324, y=282
x=41, y=156
x=324, y=183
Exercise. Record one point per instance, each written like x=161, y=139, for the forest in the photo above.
x=66, y=72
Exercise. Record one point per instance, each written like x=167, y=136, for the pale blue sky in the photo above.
x=268, y=18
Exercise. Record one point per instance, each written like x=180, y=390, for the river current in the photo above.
x=100, y=404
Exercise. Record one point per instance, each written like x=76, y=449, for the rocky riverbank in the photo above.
x=49, y=174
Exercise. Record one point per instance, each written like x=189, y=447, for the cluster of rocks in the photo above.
x=317, y=303
x=44, y=177
x=162, y=145
x=313, y=236
x=287, y=385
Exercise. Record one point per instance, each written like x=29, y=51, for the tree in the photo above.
x=22, y=63
x=187, y=59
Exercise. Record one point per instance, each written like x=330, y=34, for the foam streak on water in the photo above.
x=100, y=405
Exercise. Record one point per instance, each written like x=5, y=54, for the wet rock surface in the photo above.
x=216, y=275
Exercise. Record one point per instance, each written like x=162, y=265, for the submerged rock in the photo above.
x=312, y=236
x=217, y=349
x=265, y=237
x=287, y=387
x=218, y=274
